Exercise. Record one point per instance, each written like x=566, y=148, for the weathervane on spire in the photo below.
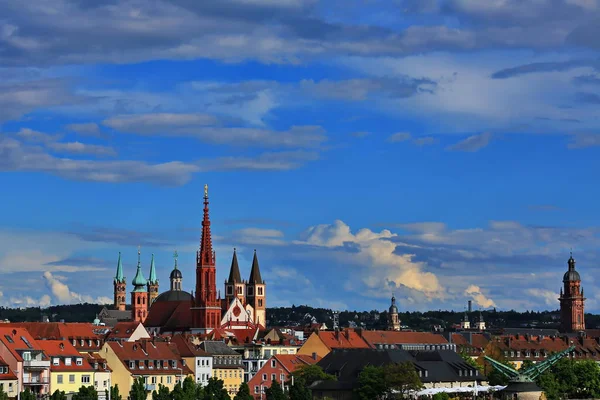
x=175, y=255
x=139, y=254
x=206, y=191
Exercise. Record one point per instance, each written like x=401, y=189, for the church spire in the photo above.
x=255, y=277
x=139, y=282
x=152, y=279
x=119, y=276
x=206, y=254
x=234, y=272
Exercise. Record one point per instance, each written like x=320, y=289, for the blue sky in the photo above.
x=438, y=150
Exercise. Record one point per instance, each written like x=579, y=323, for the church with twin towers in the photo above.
x=242, y=306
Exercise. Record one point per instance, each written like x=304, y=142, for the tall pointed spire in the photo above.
x=255, y=277
x=234, y=272
x=206, y=250
x=139, y=282
x=152, y=279
x=119, y=276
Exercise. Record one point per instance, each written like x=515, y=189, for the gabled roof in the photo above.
x=123, y=330
x=218, y=348
x=64, y=349
x=94, y=358
x=348, y=339
x=150, y=352
x=186, y=348
x=17, y=339
x=290, y=362
x=9, y=375
x=374, y=338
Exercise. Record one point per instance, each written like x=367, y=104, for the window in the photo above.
x=169, y=380
x=273, y=377
x=56, y=361
x=260, y=291
x=71, y=378
x=174, y=364
x=26, y=356
x=255, y=389
x=131, y=364
x=59, y=379
x=79, y=361
x=273, y=363
x=105, y=383
x=260, y=302
x=153, y=380
x=282, y=377
x=85, y=379
x=10, y=387
x=67, y=361
x=264, y=377
x=82, y=342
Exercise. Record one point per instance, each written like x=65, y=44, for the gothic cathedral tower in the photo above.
x=152, y=283
x=234, y=286
x=206, y=313
x=256, y=294
x=139, y=295
x=119, y=287
x=572, y=300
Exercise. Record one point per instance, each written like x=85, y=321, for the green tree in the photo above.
x=114, y=393
x=371, y=383
x=3, y=395
x=401, y=378
x=86, y=393
x=243, y=393
x=299, y=390
x=441, y=396
x=163, y=393
x=275, y=392
x=309, y=374
x=469, y=360
x=58, y=395
x=588, y=379
x=138, y=389
x=27, y=395
x=215, y=390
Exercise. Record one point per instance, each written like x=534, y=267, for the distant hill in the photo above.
x=302, y=315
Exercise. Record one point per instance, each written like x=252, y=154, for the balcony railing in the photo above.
x=35, y=380
x=36, y=364
x=150, y=387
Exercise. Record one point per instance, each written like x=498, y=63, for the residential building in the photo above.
x=128, y=331
x=156, y=362
x=8, y=379
x=227, y=364
x=278, y=368
x=25, y=358
x=405, y=340
x=470, y=343
x=196, y=358
x=102, y=373
x=69, y=369
x=436, y=369
x=322, y=342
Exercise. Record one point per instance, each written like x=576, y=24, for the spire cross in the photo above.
x=175, y=255
x=206, y=191
x=139, y=254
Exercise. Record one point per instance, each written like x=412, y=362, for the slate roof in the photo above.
x=170, y=316
x=186, y=348
x=218, y=348
x=255, y=277
x=174, y=295
x=112, y=317
x=440, y=365
x=234, y=272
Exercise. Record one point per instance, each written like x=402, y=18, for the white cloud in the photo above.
x=82, y=148
x=480, y=299
x=258, y=236
x=549, y=297
x=88, y=128
x=64, y=295
x=399, y=137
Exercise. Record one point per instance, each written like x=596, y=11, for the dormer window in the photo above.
x=95, y=365
x=174, y=364
x=131, y=364
x=74, y=342
x=97, y=343
x=79, y=361
x=89, y=342
x=103, y=365
x=82, y=342
x=68, y=361
x=56, y=361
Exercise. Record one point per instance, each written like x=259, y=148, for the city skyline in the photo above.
x=442, y=151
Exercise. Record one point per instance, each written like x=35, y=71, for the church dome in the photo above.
x=176, y=274
x=174, y=295
x=393, y=309
x=571, y=275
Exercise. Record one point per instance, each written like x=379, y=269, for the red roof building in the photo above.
x=85, y=337
x=278, y=368
x=8, y=379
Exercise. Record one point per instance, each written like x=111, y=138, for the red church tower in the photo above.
x=206, y=313
x=571, y=300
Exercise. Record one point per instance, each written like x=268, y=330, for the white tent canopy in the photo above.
x=476, y=389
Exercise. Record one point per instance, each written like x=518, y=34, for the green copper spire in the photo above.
x=119, y=277
x=152, y=280
x=139, y=282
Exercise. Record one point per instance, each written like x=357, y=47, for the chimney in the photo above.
x=314, y=356
x=470, y=305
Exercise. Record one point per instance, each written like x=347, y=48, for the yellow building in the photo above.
x=69, y=369
x=157, y=362
x=227, y=364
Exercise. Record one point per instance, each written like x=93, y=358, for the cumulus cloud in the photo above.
x=549, y=297
x=374, y=251
x=82, y=148
x=472, y=143
x=64, y=295
x=480, y=299
x=258, y=236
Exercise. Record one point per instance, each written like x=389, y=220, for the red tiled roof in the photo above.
x=186, y=348
x=347, y=339
x=97, y=358
x=12, y=338
x=87, y=332
x=123, y=329
x=64, y=349
x=146, y=350
x=292, y=361
x=399, y=337
x=8, y=376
